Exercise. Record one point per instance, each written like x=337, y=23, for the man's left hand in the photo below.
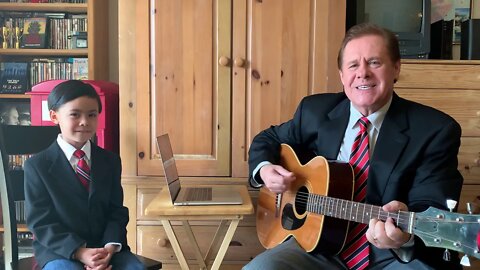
x=386, y=234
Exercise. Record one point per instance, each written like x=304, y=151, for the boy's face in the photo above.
x=77, y=120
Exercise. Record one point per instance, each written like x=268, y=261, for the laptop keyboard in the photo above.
x=199, y=194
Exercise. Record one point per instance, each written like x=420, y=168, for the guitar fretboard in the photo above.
x=357, y=212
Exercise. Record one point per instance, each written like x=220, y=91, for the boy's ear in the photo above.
x=53, y=117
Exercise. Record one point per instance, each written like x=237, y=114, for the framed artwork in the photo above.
x=15, y=112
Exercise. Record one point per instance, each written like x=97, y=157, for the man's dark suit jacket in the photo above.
x=62, y=214
x=414, y=160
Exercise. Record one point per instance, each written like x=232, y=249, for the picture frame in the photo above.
x=15, y=112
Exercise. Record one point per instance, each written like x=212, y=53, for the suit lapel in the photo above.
x=391, y=142
x=332, y=131
x=62, y=171
x=98, y=173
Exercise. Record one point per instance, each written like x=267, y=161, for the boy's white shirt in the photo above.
x=69, y=149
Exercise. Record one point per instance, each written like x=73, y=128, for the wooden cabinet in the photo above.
x=454, y=88
x=215, y=73
x=290, y=49
x=189, y=93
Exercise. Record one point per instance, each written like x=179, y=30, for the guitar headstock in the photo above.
x=443, y=229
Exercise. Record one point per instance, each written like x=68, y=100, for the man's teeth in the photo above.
x=363, y=87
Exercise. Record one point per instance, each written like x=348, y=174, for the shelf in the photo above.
x=45, y=52
x=56, y=7
x=11, y=96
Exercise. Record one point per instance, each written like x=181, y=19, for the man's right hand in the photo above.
x=276, y=178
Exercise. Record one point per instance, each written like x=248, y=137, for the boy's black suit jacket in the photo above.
x=62, y=214
x=414, y=160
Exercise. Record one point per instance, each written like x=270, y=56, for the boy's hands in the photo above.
x=95, y=258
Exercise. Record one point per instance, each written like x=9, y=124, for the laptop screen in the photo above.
x=169, y=166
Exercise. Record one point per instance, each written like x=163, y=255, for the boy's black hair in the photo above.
x=69, y=90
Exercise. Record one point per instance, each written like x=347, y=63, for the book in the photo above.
x=34, y=32
x=13, y=78
x=42, y=69
x=80, y=68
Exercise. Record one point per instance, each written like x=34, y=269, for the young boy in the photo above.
x=74, y=205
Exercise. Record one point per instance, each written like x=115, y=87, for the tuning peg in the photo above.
x=465, y=261
x=469, y=208
x=451, y=204
x=446, y=255
x=473, y=208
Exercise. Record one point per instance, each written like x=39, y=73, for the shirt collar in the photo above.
x=376, y=118
x=68, y=149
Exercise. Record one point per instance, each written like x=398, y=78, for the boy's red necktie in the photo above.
x=82, y=169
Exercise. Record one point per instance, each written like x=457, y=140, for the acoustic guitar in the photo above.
x=317, y=208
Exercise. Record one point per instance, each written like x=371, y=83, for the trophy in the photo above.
x=6, y=36
x=18, y=36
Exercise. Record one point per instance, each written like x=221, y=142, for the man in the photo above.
x=410, y=161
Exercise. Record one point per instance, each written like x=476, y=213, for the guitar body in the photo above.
x=290, y=218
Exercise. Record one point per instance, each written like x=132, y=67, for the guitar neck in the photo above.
x=357, y=212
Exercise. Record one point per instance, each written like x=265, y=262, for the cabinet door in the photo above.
x=287, y=51
x=189, y=92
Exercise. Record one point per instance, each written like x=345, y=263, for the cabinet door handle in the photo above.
x=235, y=244
x=239, y=62
x=224, y=61
x=163, y=242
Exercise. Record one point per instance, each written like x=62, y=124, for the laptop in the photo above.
x=179, y=195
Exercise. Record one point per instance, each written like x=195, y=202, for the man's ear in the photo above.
x=54, y=117
x=397, y=68
x=340, y=73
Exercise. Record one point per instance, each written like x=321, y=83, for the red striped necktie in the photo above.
x=356, y=249
x=82, y=169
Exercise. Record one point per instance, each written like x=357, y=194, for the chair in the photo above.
x=23, y=140
x=18, y=140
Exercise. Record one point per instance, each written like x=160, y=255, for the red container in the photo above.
x=107, y=130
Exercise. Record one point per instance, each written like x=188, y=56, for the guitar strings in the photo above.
x=330, y=207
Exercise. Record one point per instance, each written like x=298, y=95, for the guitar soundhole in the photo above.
x=289, y=220
x=301, y=200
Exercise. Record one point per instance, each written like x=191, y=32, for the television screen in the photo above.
x=397, y=15
x=408, y=19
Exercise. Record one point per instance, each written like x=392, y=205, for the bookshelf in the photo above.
x=97, y=36
x=96, y=51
